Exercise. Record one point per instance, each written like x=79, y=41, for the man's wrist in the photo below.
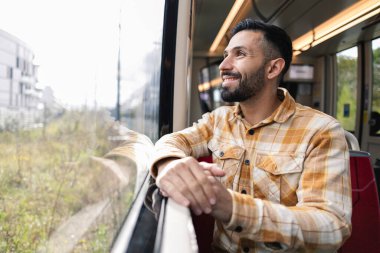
x=161, y=164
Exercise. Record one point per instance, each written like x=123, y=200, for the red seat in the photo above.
x=204, y=227
x=365, y=235
x=207, y=159
x=204, y=224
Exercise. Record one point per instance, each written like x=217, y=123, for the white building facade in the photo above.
x=20, y=99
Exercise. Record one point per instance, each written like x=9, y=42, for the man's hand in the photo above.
x=222, y=210
x=193, y=184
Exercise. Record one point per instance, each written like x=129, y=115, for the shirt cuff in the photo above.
x=246, y=213
x=153, y=168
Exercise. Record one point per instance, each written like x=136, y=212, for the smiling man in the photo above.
x=280, y=178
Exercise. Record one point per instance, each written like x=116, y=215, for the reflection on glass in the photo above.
x=375, y=111
x=141, y=44
x=346, y=87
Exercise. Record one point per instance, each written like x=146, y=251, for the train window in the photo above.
x=68, y=171
x=347, y=63
x=140, y=65
x=375, y=108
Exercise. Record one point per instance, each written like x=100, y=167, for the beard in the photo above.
x=247, y=88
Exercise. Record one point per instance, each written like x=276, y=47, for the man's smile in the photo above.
x=229, y=78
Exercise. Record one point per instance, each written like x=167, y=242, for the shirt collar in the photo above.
x=286, y=109
x=236, y=113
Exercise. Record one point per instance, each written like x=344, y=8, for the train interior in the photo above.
x=78, y=179
x=323, y=35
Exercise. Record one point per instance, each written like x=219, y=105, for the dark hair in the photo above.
x=278, y=40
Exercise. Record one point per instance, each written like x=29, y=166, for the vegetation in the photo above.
x=376, y=80
x=48, y=175
x=375, y=110
x=346, y=90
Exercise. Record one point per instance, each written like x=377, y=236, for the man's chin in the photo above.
x=229, y=98
x=233, y=97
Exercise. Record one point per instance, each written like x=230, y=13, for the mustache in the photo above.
x=230, y=73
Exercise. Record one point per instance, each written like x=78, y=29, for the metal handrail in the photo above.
x=352, y=142
x=178, y=231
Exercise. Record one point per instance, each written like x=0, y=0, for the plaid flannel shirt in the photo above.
x=288, y=176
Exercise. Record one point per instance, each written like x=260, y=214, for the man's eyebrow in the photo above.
x=235, y=49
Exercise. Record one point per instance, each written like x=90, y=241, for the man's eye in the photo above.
x=240, y=53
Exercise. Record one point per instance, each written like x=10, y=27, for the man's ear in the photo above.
x=275, y=67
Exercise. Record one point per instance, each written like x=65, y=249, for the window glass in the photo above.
x=69, y=172
x=375, y=113
x=347, y=62
x=141, y=43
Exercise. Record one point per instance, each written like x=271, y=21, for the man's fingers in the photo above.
x=202, y=187
x=186, y=181
x=169, y=190
x=213, y=168
x=178, y=182
x=199, y=186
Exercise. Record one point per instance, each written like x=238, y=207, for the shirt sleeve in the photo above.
x=322, y=217
x=191, y=141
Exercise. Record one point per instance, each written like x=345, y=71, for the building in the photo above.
x=20, y=99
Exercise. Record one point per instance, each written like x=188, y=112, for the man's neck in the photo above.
x=260, y=107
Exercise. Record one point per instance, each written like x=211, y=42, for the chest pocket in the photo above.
x=276, y=177
x=229, y=158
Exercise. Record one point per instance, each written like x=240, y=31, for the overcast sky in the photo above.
x=75, y=44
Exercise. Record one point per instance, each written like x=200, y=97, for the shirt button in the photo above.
x=238, y=229
x=221, y=153
x=246, y=249
x=246, y=162
x=251, y=131
x=243, y=191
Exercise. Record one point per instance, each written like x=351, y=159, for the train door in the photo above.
x=371, y=118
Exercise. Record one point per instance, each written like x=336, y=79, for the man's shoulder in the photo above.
x=308, y=112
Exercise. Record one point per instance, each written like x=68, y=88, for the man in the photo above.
x=280, y=181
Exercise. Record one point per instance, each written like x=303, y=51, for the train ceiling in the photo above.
x=297, y=17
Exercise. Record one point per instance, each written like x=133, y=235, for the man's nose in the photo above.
x=225, y=64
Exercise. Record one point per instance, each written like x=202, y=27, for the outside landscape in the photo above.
x=52, y=174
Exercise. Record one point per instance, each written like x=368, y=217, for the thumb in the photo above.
x=213, y=168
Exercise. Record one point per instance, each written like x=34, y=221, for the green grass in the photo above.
x=47, y=175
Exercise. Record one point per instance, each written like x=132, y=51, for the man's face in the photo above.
x=243, y=67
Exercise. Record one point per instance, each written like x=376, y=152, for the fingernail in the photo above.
x=198, y=212
x=208, y=210
x=212, y=201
